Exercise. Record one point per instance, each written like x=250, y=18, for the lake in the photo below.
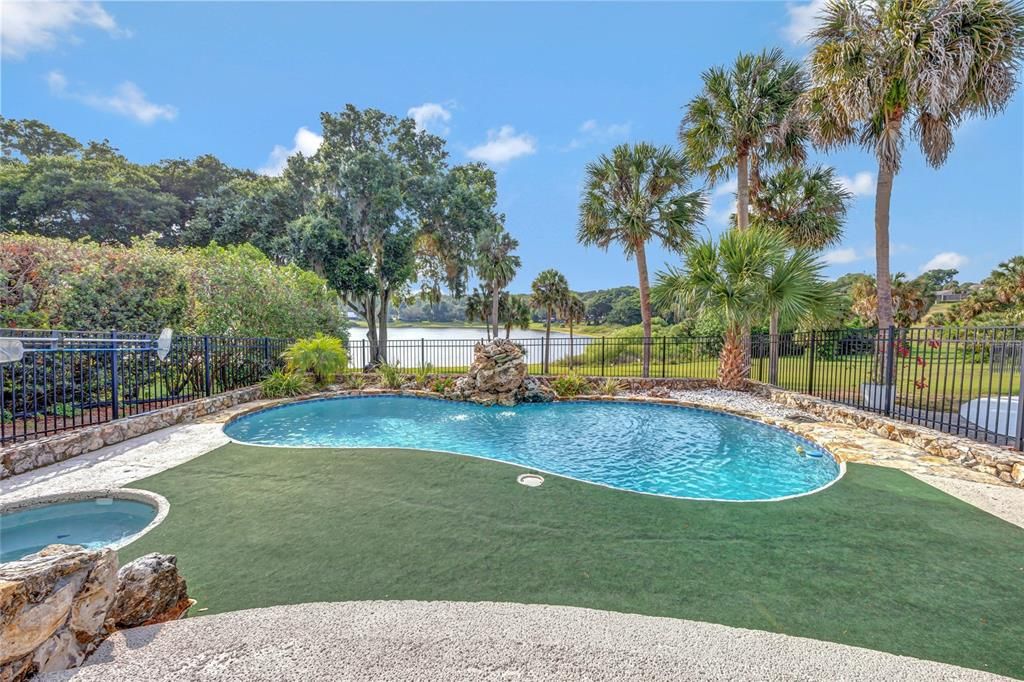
x=453, y=346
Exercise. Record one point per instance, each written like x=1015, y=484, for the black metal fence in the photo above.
x=69, y=379
x=963, y=381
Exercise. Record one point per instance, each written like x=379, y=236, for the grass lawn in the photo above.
x=879, y=560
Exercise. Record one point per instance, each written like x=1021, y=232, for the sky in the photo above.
x=535, y=90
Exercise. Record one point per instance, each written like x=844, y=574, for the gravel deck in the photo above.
x=478, y=641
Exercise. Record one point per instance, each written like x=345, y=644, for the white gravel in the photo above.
x=999, y=500
x=403, y=640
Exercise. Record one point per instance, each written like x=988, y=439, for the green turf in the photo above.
x=879, y=560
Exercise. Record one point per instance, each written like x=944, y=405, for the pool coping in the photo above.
x=159, y=502
x=355, y=395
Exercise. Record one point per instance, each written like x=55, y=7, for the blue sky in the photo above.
x=537, y=90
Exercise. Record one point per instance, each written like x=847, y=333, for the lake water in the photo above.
x=453, y=346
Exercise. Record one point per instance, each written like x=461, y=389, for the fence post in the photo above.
x=207, y=384
x=115, y=379
x=602, y=356
x=423, y=353
x=810, y=365
x=1020, y=400
x=890, y=367
x=266, y=353
x=664, y=345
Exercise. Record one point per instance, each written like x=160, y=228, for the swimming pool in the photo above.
x=658, y=449
x=91, y=523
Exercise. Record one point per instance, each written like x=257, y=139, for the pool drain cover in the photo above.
x=530, y=480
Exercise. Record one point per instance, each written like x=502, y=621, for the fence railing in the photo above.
x=963, y=381
x=68, y=379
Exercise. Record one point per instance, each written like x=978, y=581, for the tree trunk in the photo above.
x=570, y=343
x=743, y=191
x=495, y=296
x=731, y=365
x=382, y=330
x=742, y=223
x=547, y=340
x=370, y=313
x=645, y=306
x=773, y=348
x=883, y=281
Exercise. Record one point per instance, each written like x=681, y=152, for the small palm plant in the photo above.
x=549, y=291
x=741, y=280
x=514, y=312
x=496, y=265
x=322, y=356
x=284, y=384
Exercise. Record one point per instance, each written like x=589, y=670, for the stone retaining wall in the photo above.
x=22, y=457
x=1005, y=463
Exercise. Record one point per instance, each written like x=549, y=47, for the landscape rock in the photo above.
x=149, y=590
x=497, y=376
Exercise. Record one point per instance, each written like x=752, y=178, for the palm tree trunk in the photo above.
x=742, y=223
x=773, y=348
x=743, y=191
x=645, y=306
x=495, y=295
x=547, y=339
x=883, y=194
x=730, y=362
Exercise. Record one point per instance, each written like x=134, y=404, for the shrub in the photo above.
x=443, y=384
x=322, y=356
x=570, y=385
x=356, y=382
x=389, y=375
x=284, y=384
x=611, y=387
x=421, y=375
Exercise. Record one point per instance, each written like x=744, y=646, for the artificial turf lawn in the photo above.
x=878, y=560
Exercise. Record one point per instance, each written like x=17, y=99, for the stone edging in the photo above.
x=163, y=507
x=40, y=452
x=1003, y=463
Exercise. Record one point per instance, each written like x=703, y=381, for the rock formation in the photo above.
x=498, y=377
x=55, y=605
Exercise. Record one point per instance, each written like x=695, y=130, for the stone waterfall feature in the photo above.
x=498, y=376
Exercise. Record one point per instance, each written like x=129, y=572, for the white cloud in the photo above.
x=722, y=202
x=33, y=26
x=503, y=145
x=840, y=256
x=947, y=260
x=802, y=19
x=592, y=130
x=126, y=100
x=860, y=185
x=306, y=142
x=430, y=116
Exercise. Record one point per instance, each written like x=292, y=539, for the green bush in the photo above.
x=389, y=375
x=284, y=384
x=611, y=387
x=217, y=290
x=443, y=384
x=322, y=356
x=355, y=382
x=421, y=375
x=570, y=385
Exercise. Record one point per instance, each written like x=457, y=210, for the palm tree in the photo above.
x=476, y=308
x=909, y=300
x=741, y=279
x=744, y=119
x=548, y=292
x=881, y=66
x=807, y=207
x=514, y=312
x=633, y=196
x=496, y=266
x=573, y=312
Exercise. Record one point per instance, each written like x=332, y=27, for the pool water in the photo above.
x=661, y=449
x=91, y=523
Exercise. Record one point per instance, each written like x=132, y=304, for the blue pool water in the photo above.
x=90, y=523
x=659, y=449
